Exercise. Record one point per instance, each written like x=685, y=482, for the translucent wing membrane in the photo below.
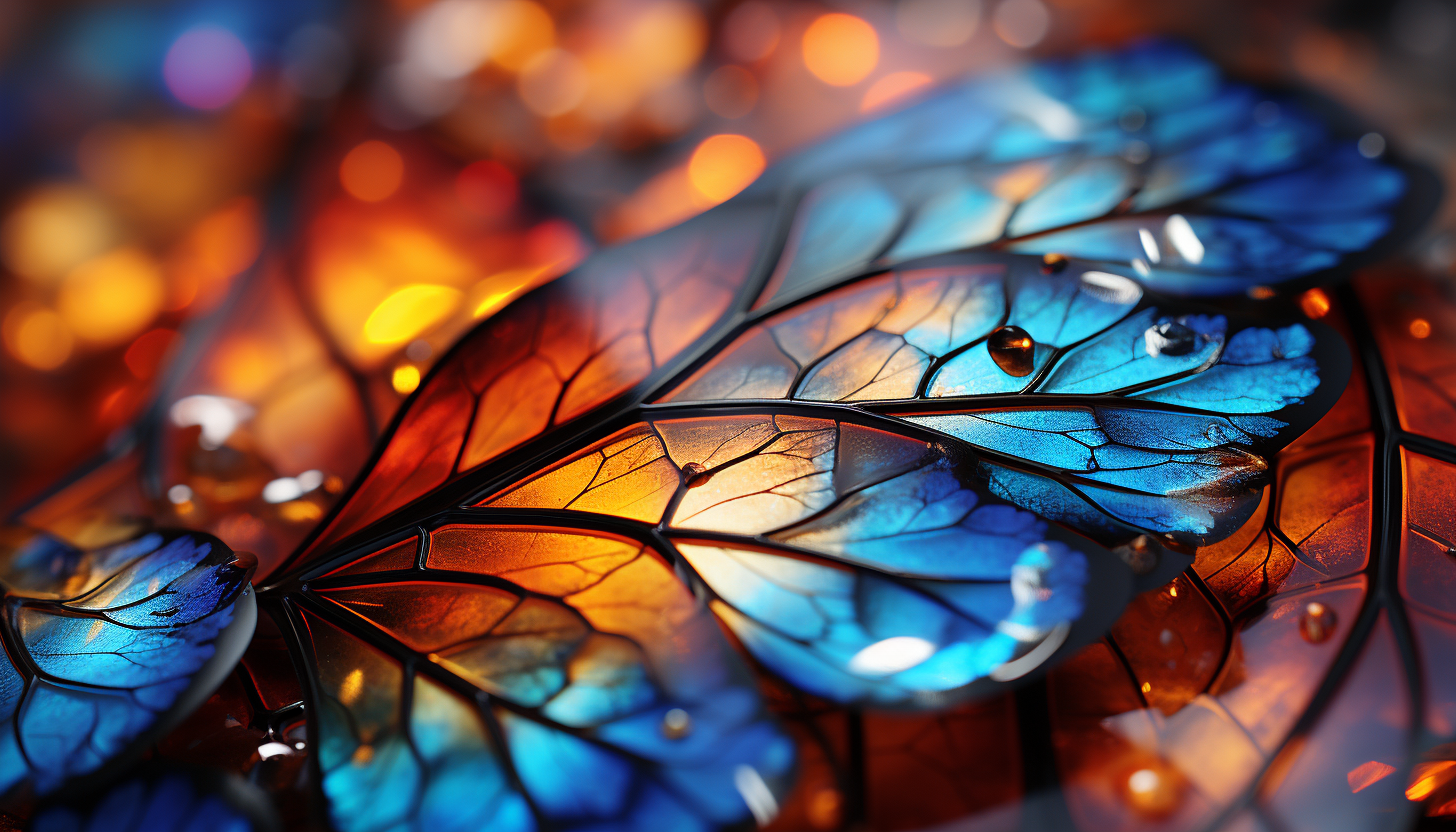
x=558, y=353
x=1085, y=399
x=523, y=677
x=1146, y=160
x=860, y=564
x=105, y=648
x=1145, y=163
x=859, y=414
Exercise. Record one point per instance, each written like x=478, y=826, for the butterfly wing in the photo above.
x=523, y=676
x=106, y=648
x=847, y=464
x=1113, y=411
x=1230, y=187
x=858, y=561
x=164, y=799
x=1147, y=160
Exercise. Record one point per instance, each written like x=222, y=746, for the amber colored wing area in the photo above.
x=558, y=353
x=526, y=676
x=1297, y=678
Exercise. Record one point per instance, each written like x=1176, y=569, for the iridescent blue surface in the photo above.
x=111, y=638
x=923, y=582
x=171, y=802
x=617, y=707
x=1146, y=159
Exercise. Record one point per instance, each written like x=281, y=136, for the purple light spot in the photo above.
x=207, y=67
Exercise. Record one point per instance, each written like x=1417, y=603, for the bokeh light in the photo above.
x=841, y=49
x=207, y=67
x=112, y=297
x=724, y=164
x=372, y=171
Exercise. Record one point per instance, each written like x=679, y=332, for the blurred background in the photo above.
x=233, y=235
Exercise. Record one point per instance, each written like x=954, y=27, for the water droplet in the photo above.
x=1153, y=790
x=1053, y=263
x=1013, y=350
x=1110, y=288
x=1137, y=151
x=676, y=724
x=1140, y=554
x=1170, y=338
x=1317, y=623
x=1371, y=145
x=695, y=474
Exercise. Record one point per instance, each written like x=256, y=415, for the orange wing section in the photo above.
x=558, y=353
x=1415, y=325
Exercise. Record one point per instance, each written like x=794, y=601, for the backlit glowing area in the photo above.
x=713, y=415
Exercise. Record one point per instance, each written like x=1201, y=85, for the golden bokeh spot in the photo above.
x=351, y=687
x=405, y=379
x=525, y=30
x=372, y=171
x=112, y=297
x=1420, y=328
x=723, y=165
x=300, y=511
x=841, y=49
x=55, y=229
x=37, y=336
x=1315, y=303
x=666, y=39
x=410, y=311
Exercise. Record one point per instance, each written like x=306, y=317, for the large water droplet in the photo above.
x=1170, y=338
x=1013, y=350
x=695, y=474
x=676, y=724
x=1317, y=622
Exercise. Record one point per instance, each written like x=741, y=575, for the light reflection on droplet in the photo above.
x=1169, y=338
x=1152, y=792
x=1185, y=241
x=891, y=655
x=1150, y=245
x=1317, y=622
x=1013, y=350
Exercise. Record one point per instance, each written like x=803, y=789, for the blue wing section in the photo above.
x=1115, y=412
x=104, y=646
x=163, y=800
x=856, y=561
x=1208, y=190
x=563, y=679
x=912, y=585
